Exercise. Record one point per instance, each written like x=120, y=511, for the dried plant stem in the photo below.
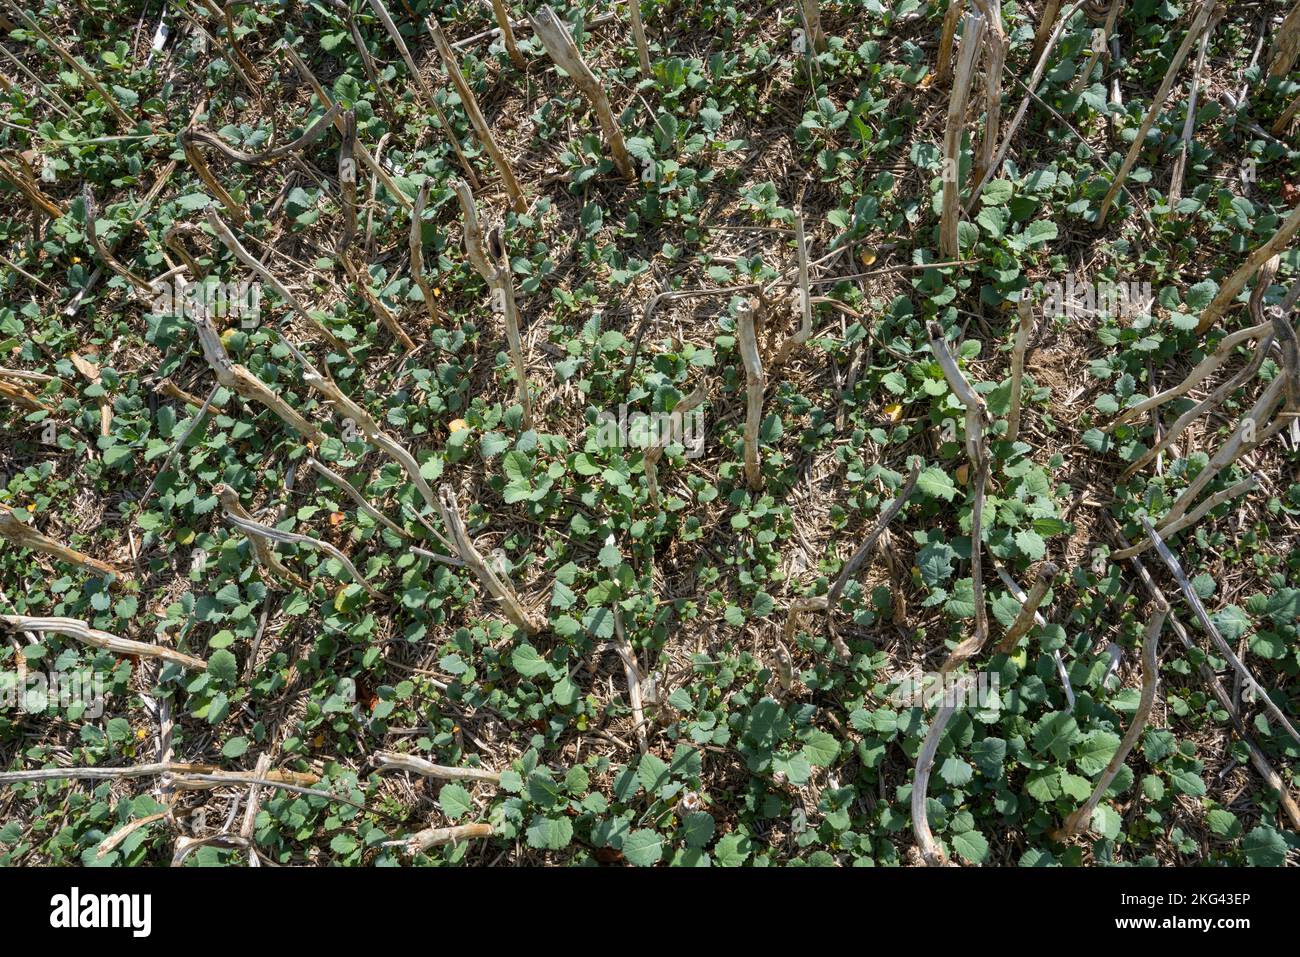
x=386, y=760
x=651, y=460
x=638, y=34
x=1234, y=284
x=1212, y=401
x=345, y=408
x=977, y=452
x=1031, y=88
x=1248, y=434
x=812, y=16
x=476, y=119
x=1203, y=370
x=494, y=266
x=314, y=132
x=231, y=242
x=1286, y=45
x=83, y=633
x=1270, y=776
x=562, y=50
x=632, y=675
x=1023, y=329
x=996, y=46
x=24, y=536
x=347, y=170
x=931, y=853
x=29, y=189
x=1284, y=121
x=755, y=383
x=947, y=35
x=195, y=158
x=1150, y=678
x=1204, y=11
x=369, y=160
x=1046, y=26
x=361, y=279
x=1029, y=608
x=804, y=296
x=887, y=515
x=416, y=244
x=1019, y=595
x=348, y=489
x=263, y=535
x=235, y=377
x=105, y=255
x=1179, y=170
x=1243, y=487
x=972, y=32
x=210, y=776
x=425, y=93
x=508, y=34
x=1100, y=40
x=88, y=76
x=12, y=392
x=1225, y=649
x=438, y=836
x=263, y=548
x=465, y=550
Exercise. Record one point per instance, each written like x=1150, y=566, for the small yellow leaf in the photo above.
x=895, y=412
x=867, y=256
x=457, y=424
x=963, y=473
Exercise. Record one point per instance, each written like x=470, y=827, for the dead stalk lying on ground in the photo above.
x=1243, y=487
x=562, y=50
x=1082, y=815
x=215, y=776
x=1225, y=649
x=83, y=633
x=347, y=172
x=467, y=553
x=1232, y=286
x=977, y=453
x=1202, y=17
x=262, y=535
x=361, y=280
x=1257, y=758
x=348, y=489
x=386, y=760
x=755, y=383
x=105, y=255
x=24, y=536
x=887, y=515
x=481, y=128
x=438, y=836
x=232, y=243
x=963, y=80
x=327, y=101
x=233, y=376
x=1019, y=595
x=493, y=265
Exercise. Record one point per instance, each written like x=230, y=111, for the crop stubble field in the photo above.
x=419, y=446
